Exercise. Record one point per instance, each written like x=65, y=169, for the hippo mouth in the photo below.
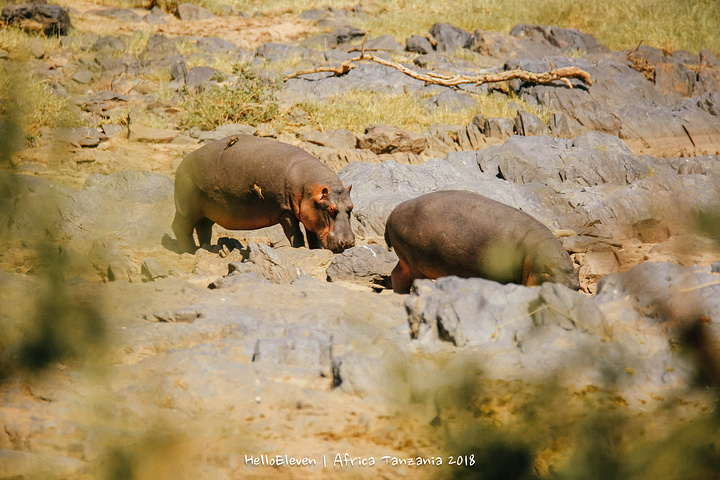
x=335, y=245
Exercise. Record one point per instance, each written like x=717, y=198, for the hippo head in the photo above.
x=326, y=211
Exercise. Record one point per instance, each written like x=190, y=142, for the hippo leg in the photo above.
x=204, y=231
x=401, y=278
x=291, y=227
x=183, y=228
x=529, y=278
x=312, y=239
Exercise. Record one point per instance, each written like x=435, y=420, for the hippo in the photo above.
x=243, y=182
x=468, y=235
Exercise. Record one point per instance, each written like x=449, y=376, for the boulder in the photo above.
x=188, y=12
x=449, y=37
x=418, y=44
x=365, y=264
x=384, y=139
x=566, y=39
x=51, y=20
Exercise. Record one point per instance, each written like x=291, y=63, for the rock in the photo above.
x=590, y=159
x=112, y=130
x=364, y=264
x=449, y=38
x=307, y=348
x=470, y=137
x=530, y=125
x=376, y=371
x=383, y=43
x=186, y=315
x=78, y=136
x=124, y=14
x=178, y=71
x=111, y=263
x=503, y=46
x=500, y=128
x=710, y=102
x=674, y=78
x=215, y=45
x=418, y=44
x=188, y=12
x=654, y=126
x=155, y=17
x=280, y=52
x=133, y=207
x=227, y=130
x=140, y=133
x=108, y=43
x=377, y=189
x=18, y=463
x=200, y=78
x=51, y=20
x=564, y=126
x=82, y=76
x=384, y=139
x=347, y=35
x=337, y=138
x=159, y=48
x=567, y=40
x=37, y=48
x=663, y=291
x=152, y=270
x=261, y=262
x=12, y=138
x=453, y=100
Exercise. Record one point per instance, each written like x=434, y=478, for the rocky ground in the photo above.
x=195, y=366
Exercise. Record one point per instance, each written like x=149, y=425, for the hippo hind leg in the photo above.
x=204, y=231
x=183, y=228
x=401, y=278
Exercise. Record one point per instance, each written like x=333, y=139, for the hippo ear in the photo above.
x=349, y=188
x=321, y=193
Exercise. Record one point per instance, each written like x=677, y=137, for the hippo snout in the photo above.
x=339, y=243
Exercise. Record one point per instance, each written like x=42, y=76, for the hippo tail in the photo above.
x=387, y=238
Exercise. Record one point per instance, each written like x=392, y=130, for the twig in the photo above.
x=562, y=74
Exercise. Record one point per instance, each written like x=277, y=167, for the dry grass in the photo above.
x=33, y=102
x=356, y=110
x=671, y=25
x=667, y=24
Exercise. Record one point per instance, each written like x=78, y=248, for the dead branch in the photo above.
x=561, y=74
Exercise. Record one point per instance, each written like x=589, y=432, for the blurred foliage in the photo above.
x=54, y=324
x=513, y=430
x=248, y=100
x=38, y=106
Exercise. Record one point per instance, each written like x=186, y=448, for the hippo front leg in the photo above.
x=291, y=227
x=312, y=239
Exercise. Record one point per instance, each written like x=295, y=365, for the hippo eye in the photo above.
x=332, y=210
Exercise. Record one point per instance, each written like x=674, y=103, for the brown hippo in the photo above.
x=465, y=234
x=245, y=182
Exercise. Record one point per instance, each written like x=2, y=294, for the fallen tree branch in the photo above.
x=561, y=74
